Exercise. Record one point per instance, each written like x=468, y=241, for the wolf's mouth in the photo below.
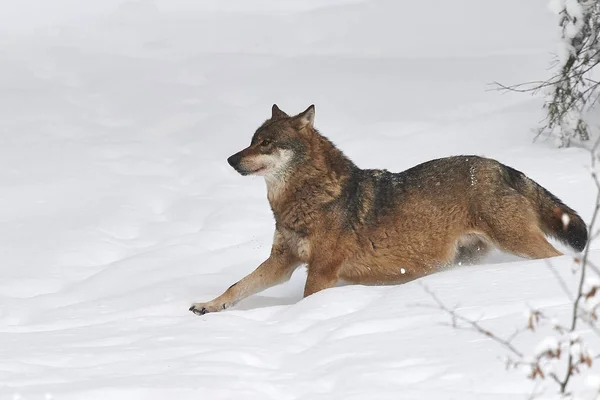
x=258, y=171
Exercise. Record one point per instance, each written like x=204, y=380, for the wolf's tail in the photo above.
x=556, y=219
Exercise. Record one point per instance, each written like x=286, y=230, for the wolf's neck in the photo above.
x=276, y=187
x=321, y=175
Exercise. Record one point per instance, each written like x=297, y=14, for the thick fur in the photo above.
x=373, y=226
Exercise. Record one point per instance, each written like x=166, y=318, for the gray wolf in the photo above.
x=371, y=226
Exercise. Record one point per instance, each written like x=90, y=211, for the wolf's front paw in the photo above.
x=204, y=308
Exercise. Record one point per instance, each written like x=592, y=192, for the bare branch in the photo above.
x=584, y=263
x=474, y=325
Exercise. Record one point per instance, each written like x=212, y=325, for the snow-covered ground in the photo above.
x=118, y=208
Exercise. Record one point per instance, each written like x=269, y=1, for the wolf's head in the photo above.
x=277, y=146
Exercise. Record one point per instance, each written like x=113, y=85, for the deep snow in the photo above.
x=118, y=208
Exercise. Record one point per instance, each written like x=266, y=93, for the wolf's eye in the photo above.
x=265, y=143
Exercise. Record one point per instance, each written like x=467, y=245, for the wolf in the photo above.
x=372, y=226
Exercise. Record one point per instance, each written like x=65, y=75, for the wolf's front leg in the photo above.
x=321, y=276
x=278, y=268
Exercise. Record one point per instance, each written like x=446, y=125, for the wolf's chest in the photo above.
x=298, y=244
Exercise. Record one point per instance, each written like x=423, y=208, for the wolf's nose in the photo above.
x=234, y=159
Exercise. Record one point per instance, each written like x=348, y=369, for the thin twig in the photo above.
x=560, y=280
x=473, y=324
x=594, y=267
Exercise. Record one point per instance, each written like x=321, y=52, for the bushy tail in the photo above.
x=556, y=219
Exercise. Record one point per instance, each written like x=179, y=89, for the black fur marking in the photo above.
x=516, y=179
x=352, y=197
x=385, y=194
x=576, y=235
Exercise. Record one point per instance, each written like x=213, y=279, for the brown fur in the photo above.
x=377, y=227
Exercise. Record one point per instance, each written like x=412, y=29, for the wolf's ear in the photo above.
x=277, y=113
x=306, y=118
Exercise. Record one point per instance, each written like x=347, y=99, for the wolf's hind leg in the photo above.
x=531, y=244
x=514, y=227
x=471, y=248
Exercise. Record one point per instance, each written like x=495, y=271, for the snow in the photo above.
x=590, y=284
x=548, y=345
x=556, y=6
x=594, y=382
x=576, y=20
x=565, y=219
x=119, y=209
